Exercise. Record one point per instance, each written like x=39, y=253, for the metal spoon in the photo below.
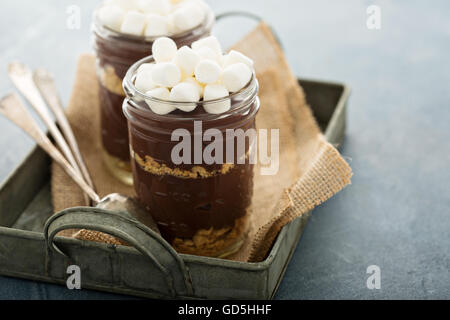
x=13, y=108
x=46, y=85
x=22, y=77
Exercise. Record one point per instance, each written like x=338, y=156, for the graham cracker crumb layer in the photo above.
x=111, y=81
x=214, y=242
x=152, y=166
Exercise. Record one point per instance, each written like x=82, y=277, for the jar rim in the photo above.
x=247, y=95
x=100, y=28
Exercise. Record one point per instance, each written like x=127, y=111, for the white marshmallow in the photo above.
x=188, y=16
x=235, y=57
x=124, y=4
x=197, y=84
x=187, y=59
x=134, y=23
x=160, y=108
x=185, y=92
x=179, y=16
x=166, y=74
x=145, y=67
x=197, y=12
x=172, y=28
x=161, y=7
x=164, y=49
x=159, y=93
x=236, y=77
x=111, y=16
x=206, y=53
x=157, y=26
x=209, y=42
x=208, y=72
x=144, y=80
x=213, y=92
x=200, y=3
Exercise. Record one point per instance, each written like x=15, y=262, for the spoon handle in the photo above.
x=22, y=78
x=13, y=109
x=46, y=85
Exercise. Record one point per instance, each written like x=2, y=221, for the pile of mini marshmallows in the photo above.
x=191, y=74
x=152, y=18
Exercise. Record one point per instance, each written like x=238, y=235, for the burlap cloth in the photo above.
x=311, y=170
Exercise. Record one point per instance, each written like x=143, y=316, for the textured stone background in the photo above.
x=396, y=214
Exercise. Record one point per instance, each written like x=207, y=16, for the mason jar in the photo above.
x=116, y=52
x=202, y=207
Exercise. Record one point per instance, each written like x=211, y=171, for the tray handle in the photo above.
x=145, y=240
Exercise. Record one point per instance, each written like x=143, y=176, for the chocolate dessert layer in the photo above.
x=152, y=136
x=184, y=206
x=114, y=126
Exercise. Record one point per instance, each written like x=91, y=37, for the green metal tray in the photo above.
x=151, y=268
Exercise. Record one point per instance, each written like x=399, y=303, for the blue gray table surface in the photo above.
x=396, y=213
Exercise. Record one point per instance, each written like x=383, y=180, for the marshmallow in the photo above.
x=187, y=59
x=111, y=16
x=167, y=16
x=208, y=72
x=188, y=16
x=206, y=53
x=157, y=107
x=161, y=7
x=159, y=93
x=200, y=3
x=197, y=84
x=166, y=74
x=172, y=29
x=209, y=42
x=164, y=50
x=157, y=26
x=185, y=92
x=124, y=4
x=146, y=67
x=213, y=92
x=144, y=80
x=134, y=23
x=235, y=57
x=236, y=77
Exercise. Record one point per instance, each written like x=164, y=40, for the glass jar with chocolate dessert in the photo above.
x=191, y=160
x=124, y=32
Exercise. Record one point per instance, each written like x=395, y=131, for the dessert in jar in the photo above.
x=124, y=32
x=200, y=198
